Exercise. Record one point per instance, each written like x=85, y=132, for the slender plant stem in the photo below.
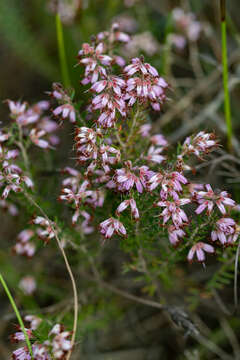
x=14, y=306
x=227, y=106
x=75, y=294
x=23, y=150
x=236, y=277
x=62, y=53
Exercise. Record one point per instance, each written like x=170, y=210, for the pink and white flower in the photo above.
x=207, y=199
x=94, y=61
x=19, y=335
x=124, y=205
x=153, y=155
x=86, y=144
x=66, y=111
x=200, y=144
x=225, y=231
x=198, y=249
x=125, y=178
x=28, y=285
x=33, y=320
x=145, y=130
x=139, y=66
x=21, y=354
x=170, y=183
x=112, y=226
x=175, y=235
x=174, y=212
x=159, y=140
x=35, y=136
x=27, y=249
x=187, y=24
x=16, y=107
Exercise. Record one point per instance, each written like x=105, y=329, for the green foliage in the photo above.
x=224, y=275
x=20, y=38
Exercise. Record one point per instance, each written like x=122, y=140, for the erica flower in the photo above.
x=25, y=235
x=133, y=207
x=199, y=249
x=60, y=342
x=179, y=41
x=94, y=61
x=9, y=207
x=175, y=235
x=33, y=320
x=86, y=143
x=119, y=35
x=40, y=351
x=21, y=354
x=125, y=179
x=85, y=225
x=24, y=246
x=207, y=199
x=154, y=155
x=19, y=335
x=139, y=66
x=147, y=86
x=145, y=130
x=112, y=226
x=225, y=231
x=77, y=197
x=35, y=135
x=159, y=140
x=66, y=111
x=148, y=89
x=187, y=24
x=47, y=231
x=200, y=144
x=110, y=101
x=109, y=155
x=73, y=180
x=28, y=285
x=170, y=182
x=16, y=108
x=27, y=249
x=113, y=83
x=173, y=211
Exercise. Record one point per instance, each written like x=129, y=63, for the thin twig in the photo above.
x=125, y=294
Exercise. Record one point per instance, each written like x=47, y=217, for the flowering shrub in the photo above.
x=128, y=184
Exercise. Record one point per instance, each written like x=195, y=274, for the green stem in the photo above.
x=227, y=107
x=14, y=306
x=23, y=150
x=62, y=54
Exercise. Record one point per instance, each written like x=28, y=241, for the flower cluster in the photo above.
x=115, y=94
x=24, y=245
x=101, y=150
x=34, y=122
x=12, y=177
x=66, y=109
x=57, y=344
x=187, y=28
